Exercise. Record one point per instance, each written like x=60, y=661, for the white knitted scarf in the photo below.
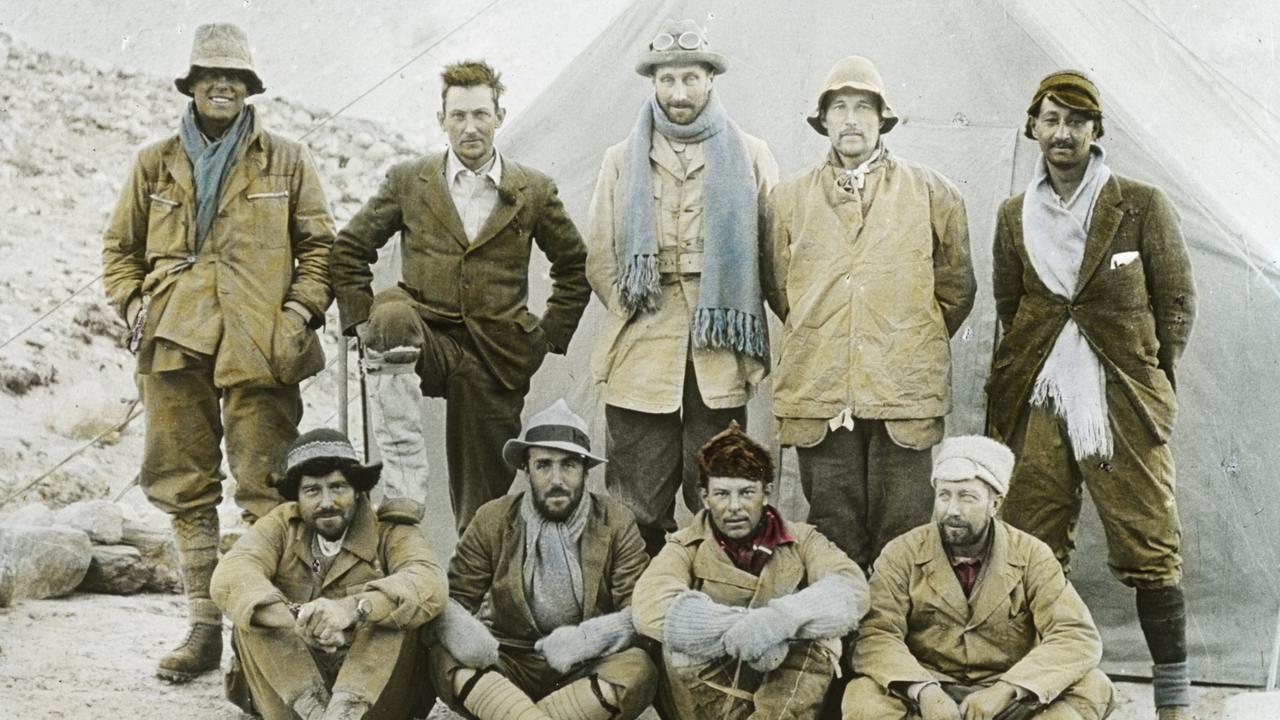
x=1072, y=378
x=552, y=564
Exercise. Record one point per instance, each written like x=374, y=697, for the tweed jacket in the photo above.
x=489, y=559
x=641, y=358
x=484, y=283
x=268, y=245
x=1023, y=622
x=692, y=559
x=1137, y=317
x=868, y=295
x=387, y=561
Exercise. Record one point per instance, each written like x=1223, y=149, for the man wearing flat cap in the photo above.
x=971, y=617
x=326, y=595
x=554, y=567
x=458, y=324
x=868, y=267
x=674, y=231
x=217, y=258
x=1095, y=297
x=749, y=608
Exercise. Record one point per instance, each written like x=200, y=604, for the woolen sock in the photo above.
x=195, y=533
x=588, y=698
x=1171, y=683
x=490, y=696
x=1162, y=613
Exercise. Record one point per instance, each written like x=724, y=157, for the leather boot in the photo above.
x=196, y=535
x=395, y=403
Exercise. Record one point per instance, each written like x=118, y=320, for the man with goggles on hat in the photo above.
x=674, y=228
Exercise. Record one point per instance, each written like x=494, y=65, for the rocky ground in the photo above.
x=67, y=132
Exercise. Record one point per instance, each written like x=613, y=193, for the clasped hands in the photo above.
x=327, y=625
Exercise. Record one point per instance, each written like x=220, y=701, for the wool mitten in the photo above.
x=695, y=625
x=569, y=645
x=465, y=637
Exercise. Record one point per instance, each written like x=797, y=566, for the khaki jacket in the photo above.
x=1023, y=622
x=268, y=245
x=489, y=559
x=641, y=359
x=388, y=562
x=483, y=283
x=692, y=559
x=869, y=292
x=1136, y=317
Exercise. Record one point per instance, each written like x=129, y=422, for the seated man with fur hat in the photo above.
x=554, y=568
x=971, y=617
x=326, y=594
x=749, y=608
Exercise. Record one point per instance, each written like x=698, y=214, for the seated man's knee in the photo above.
x=864, y=699
x=393, y=325
x=461, y=677
x=1092, y=697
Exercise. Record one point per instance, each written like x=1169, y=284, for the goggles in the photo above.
x=687, y=40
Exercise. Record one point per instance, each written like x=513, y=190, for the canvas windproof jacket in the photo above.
x=1134, y=304
x=269, y=244
x=1023, y=622
x=869, y=294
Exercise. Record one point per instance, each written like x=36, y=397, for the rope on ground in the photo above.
x=51, y=311
x=135, y=409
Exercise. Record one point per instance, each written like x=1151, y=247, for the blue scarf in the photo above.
x=730, y=311
x=210, y=163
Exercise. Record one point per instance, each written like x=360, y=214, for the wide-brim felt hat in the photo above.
x=558, y=428
x=677, y=52
x=853, y=73
x=222, y=46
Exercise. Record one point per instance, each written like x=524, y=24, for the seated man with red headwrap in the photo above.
x=749, y=608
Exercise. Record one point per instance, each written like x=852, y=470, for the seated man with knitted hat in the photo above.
x=326, y=594
x=971, y=617
x=553, y=568
x=749, y=608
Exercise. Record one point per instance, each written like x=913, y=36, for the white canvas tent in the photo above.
x=961, y=75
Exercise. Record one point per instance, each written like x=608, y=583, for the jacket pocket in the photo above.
x=295, y=350
x=267, y=201
x=166, y=224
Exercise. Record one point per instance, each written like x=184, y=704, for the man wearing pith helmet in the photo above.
x=971, y=617
x=557, y=564
x=868, y=267
x=749, y=607
x=674, y=228
x=217, y=257
x=327, y=595
x=1094, y=292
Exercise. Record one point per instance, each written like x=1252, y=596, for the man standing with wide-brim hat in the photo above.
x=217, y=258
x=1094, y=292
x=673, y=245
x=868, y=267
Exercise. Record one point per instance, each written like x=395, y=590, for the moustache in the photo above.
x=1063, y=145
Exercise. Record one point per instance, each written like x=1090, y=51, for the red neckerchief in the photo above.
x=967, y=570
x=752, y=552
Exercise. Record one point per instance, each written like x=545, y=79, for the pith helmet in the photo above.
x=680, y=41
x=855, y=73
x=221, y=45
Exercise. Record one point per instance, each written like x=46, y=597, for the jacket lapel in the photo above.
x=1102, y=228
x=253, y=156
x=997, y=580
x=942, y=579
x=511, y=583
x=512, y=187
x=439, y=201
x=179, y=168
x=594, y=551
x=361, y=543
x=662, y=154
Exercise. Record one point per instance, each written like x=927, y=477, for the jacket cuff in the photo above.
x=353, y=310
x=241, y=612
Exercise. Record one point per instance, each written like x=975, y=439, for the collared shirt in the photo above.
x=474, y=193
x=752, y=552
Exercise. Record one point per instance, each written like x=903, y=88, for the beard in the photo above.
x=541, y=503
x=960, y=534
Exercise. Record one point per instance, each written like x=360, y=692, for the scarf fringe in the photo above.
x=730, y=329
x=639, y=284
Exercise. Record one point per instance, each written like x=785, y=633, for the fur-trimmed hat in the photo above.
x=732, y=453
x=1071, y=88
x=223, y=46
x=970, y=457
x=680, y=41
x=320, y=452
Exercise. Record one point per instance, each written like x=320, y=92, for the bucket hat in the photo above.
x=558, y=428
x=680, y=41
x=854, y=73
x=221, y=45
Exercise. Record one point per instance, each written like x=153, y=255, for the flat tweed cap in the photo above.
x=1071, y=88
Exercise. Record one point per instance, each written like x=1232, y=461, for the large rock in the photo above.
x=116, y=569
x=158, y=553
x=41, y=562
x=103, y=520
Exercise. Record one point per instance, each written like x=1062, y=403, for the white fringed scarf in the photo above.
x=1072, y=377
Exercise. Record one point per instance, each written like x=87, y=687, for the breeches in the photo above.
x=651, y=455
x=381, y=666
x=1133, y=491
x=630, y=671
x=1091, y=698
x=186, y=419
x=864, y=489
x=481, y=413
x=731, y=690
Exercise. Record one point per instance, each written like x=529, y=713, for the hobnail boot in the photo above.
x=200, y=652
